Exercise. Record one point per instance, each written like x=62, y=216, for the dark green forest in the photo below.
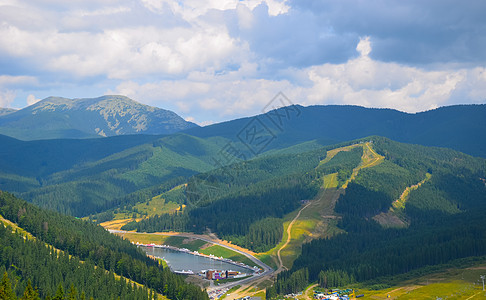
x=445, y=216
x=84, y=241
x=245, y=202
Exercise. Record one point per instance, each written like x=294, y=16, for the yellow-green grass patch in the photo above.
x=219, y=251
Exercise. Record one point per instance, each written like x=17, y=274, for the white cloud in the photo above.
x=6, y=98
x=366, y=82
x=364, y=46
x=15, y=81
x=216, y=60
x=31, y=99
x=359, y=81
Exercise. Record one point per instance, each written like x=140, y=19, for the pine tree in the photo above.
x=73, y=294
x=59, y=293
x=30, y=293
x=6, y=291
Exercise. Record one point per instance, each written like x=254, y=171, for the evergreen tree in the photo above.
x=59, y=293
x=73, y=294
x=6, y=291
x=30, y=293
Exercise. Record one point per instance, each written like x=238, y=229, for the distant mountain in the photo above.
x=56, y=117
x=460, y=127
x=6, y=111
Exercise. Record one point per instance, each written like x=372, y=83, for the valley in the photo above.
x=242, y=150
x=313, y=215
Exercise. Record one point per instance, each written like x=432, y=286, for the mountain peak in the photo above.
x=58, y=117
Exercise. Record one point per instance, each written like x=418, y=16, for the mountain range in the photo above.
x=89, y=175
x=460, y=127
x=56, y=117
x=408, y=190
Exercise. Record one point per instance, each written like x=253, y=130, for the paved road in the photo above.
x=267, y=271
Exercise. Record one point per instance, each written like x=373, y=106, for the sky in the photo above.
x=217, y=60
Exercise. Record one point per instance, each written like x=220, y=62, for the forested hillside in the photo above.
x=81, y=177
x=444, y=219
x=79, y=257
x=246, y=202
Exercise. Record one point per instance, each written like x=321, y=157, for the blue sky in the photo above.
x=211, y=61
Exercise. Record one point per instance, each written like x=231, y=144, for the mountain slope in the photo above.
x=460, y=127
x=6, y=111
x=441, y=221
x=79, y=253
x=81, y=177
x=56, y=117
x=248, y=202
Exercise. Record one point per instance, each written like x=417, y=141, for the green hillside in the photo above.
x=440, y=221
x=81, y=177
x=247, y=202
x=57, y=253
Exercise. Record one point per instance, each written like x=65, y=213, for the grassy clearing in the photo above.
x=452, y=283
x=394, y=217
x=315, y=221
x=117, y=223
x=231, y=290
x=15, y=227
x=400, y=202
x=217, y=250
x=331, y=153
x=268, y=259
x=260, y=294
x=155, y=206
x=158, y=205
x=144, y=238
x=369, y=159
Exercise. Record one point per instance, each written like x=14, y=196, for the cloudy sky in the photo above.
x=216, y=60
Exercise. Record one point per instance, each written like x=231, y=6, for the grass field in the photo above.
x=331, y=153
x=217, y=250
x=452, y=283
x=157, y=206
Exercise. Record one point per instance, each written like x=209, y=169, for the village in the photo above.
x=337, y=294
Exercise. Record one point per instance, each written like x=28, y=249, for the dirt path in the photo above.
x=304, y=294
x=289, y=237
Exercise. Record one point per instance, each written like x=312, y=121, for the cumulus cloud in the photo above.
x=359, y=81
x=216, y=60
